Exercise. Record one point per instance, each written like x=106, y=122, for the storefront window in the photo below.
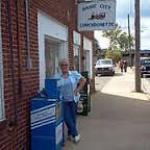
x=52, y=45
x=76, y=49
x=86, y=60
x=76, y=58
x=51, y=57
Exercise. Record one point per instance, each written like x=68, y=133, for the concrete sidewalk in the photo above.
x=123, y=85
x=120, y=118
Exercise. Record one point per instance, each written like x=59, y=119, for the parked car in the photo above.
x=104, y=67
x=144, y=66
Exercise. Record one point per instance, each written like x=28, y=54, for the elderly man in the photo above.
x=70, y=83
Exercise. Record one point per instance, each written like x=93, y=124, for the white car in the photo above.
x=105, y=67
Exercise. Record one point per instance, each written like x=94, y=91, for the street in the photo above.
x=119, y=119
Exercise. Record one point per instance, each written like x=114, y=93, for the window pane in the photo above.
x=51, y=57
x=76, y=58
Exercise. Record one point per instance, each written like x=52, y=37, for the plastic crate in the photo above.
x=51, y=88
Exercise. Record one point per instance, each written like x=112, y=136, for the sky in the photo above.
x=125, y=7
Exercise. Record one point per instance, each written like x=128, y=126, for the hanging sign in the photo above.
x=100, y=15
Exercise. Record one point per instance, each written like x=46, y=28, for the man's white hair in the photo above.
x=63, y=60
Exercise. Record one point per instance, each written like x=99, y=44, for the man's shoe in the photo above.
x=77, y=138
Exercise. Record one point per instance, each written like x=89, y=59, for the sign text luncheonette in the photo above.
x=100, y=15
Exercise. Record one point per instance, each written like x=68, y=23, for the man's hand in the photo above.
x=80, y=86
x=76, y=91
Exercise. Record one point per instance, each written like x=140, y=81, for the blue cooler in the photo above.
x=46, y=124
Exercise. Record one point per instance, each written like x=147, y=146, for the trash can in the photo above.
x=85, y=97
x=46, y=120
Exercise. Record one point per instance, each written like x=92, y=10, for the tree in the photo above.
x=96, y=48
x=119, y=39
x=115, y=54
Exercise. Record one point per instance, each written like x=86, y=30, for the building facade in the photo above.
x=34, y=36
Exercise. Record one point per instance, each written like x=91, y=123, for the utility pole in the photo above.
x=129, y=42
x=137, y=47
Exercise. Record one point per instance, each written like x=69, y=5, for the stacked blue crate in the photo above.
x=51, y=88
x=47, y=128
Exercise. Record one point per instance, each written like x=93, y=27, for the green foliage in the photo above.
x=119, y=39
x=113, y=35
x=96, y=46
x=115, y=55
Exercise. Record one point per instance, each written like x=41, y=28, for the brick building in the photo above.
x=34, y=35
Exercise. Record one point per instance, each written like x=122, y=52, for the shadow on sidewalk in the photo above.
x=118, y=74
x=115, y=123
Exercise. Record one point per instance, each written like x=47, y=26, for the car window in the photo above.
x=98, y=63
x=145, y=62
x=106, y=62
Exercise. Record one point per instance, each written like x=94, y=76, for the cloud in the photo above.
x=125, y=7
x=122, y=8
x=145, y=29
x=145, y=33
x=103, y=42
x=145, y=8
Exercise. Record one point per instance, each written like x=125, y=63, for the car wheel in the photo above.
x=113, y=73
